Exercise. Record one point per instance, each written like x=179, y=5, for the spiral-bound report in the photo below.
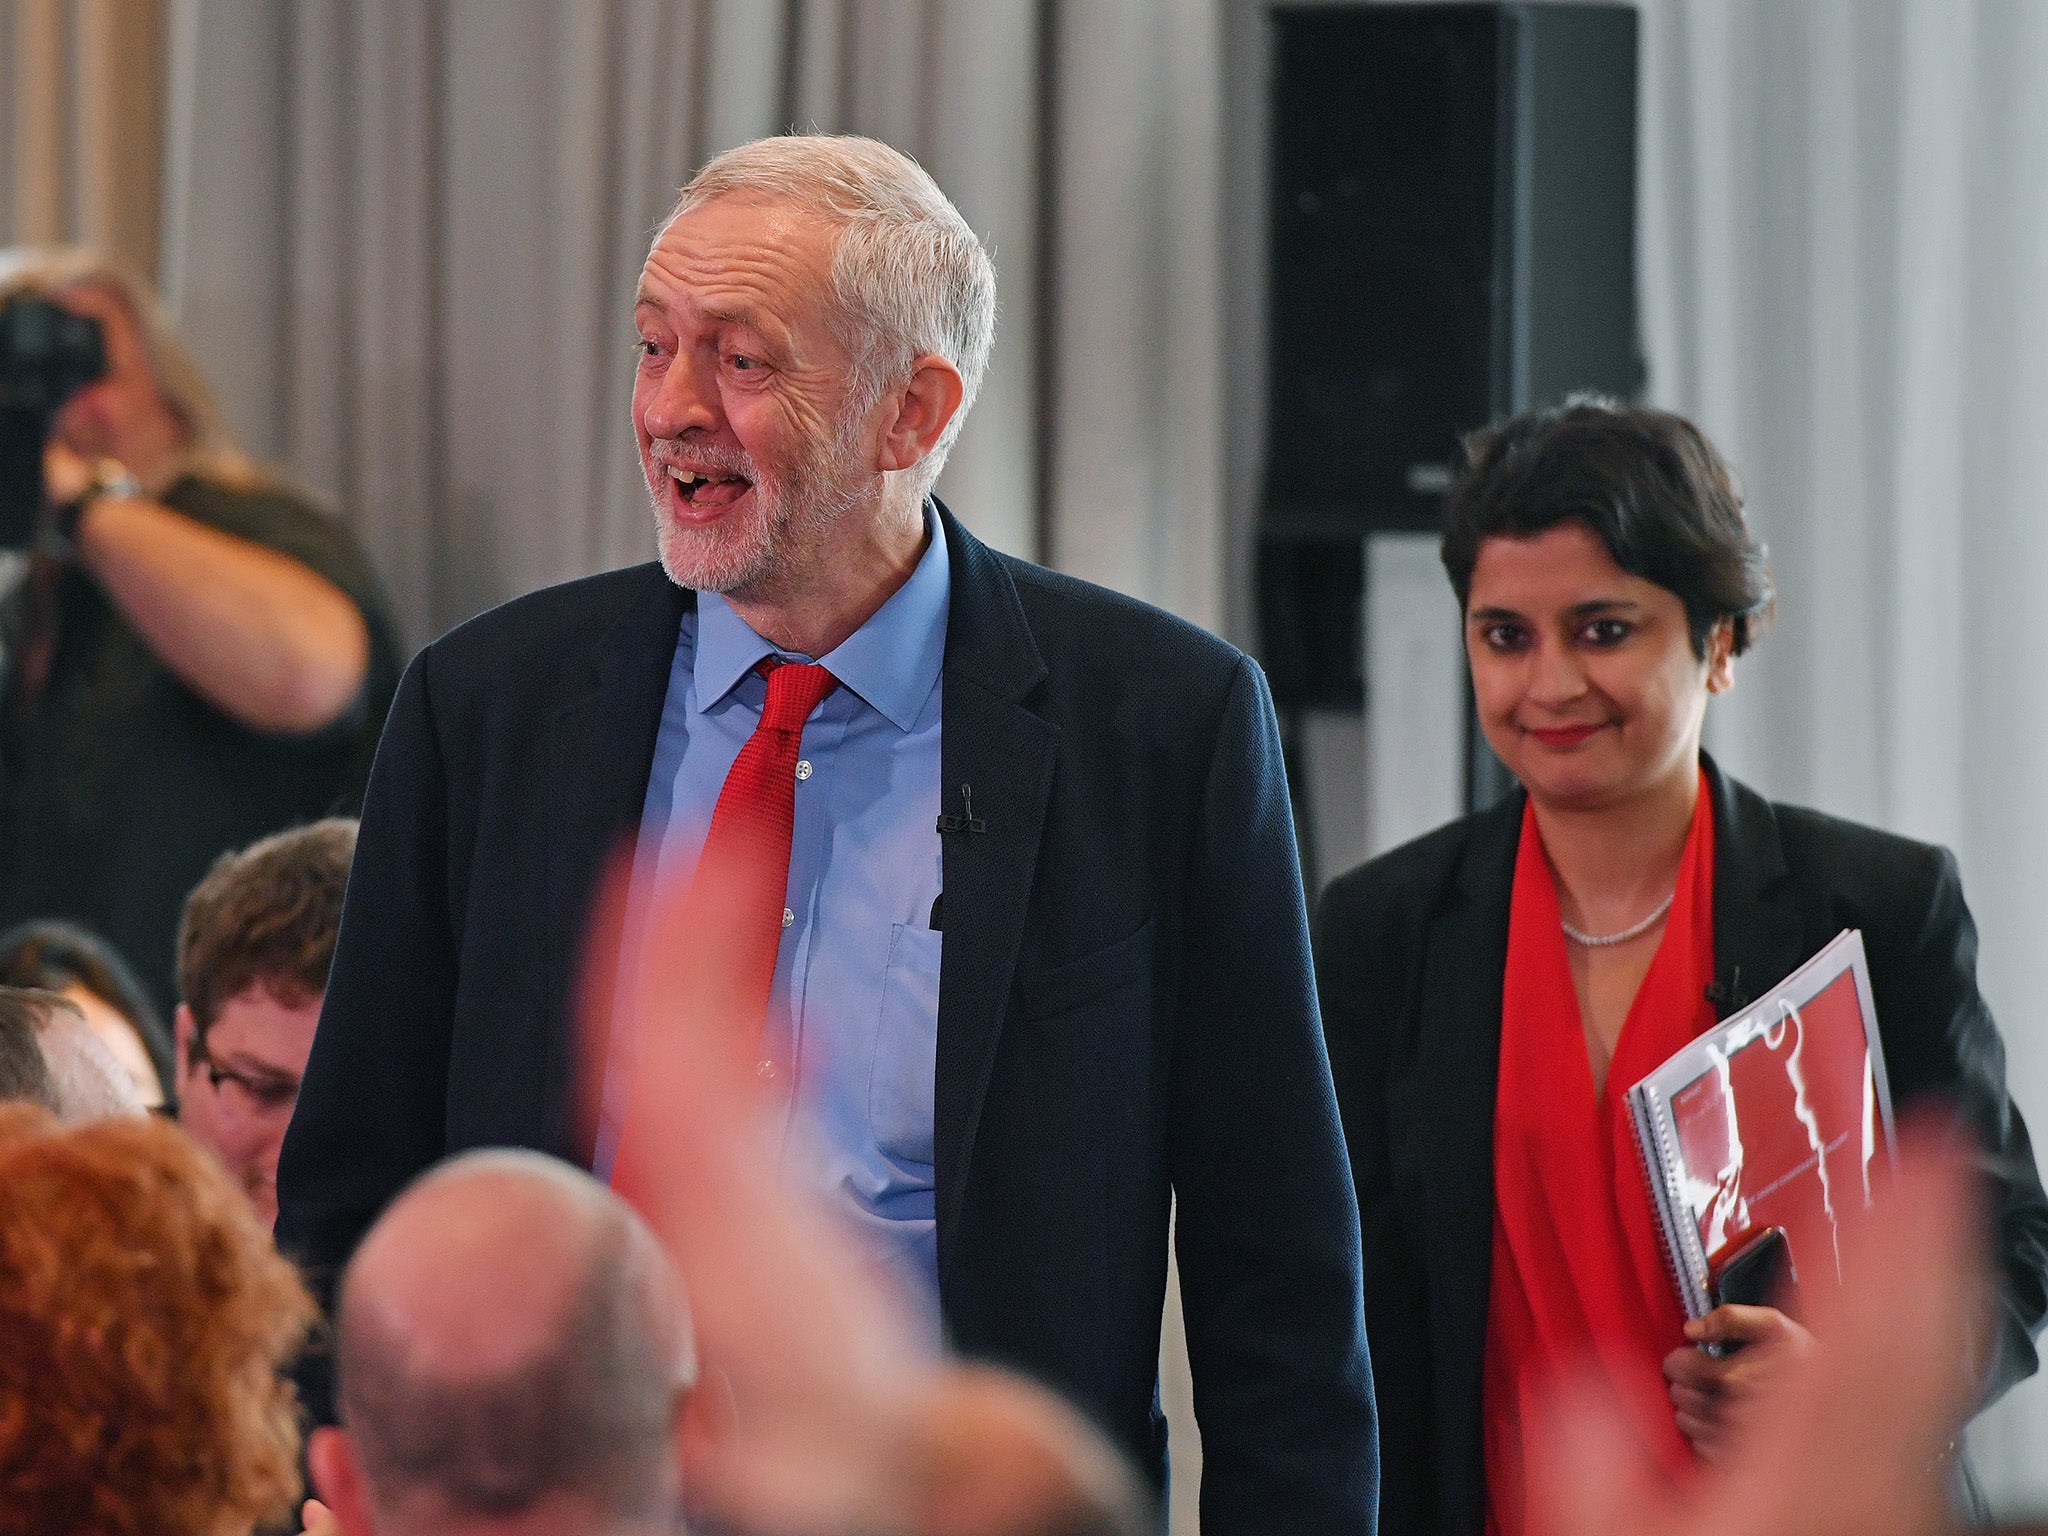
x=1776, y=1117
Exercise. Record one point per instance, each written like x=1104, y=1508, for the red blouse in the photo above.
x=1579, y=1275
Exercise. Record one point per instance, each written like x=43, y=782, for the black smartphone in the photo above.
x=1759, y=1274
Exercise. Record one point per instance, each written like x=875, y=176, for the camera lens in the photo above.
x=47, y=354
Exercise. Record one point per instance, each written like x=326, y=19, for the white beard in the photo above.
x=790, y=515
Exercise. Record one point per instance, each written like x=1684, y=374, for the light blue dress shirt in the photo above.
x=852, y=1027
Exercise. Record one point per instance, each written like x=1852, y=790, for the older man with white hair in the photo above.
x=992, y=872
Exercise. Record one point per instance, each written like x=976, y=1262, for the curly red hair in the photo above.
x=144, y=1317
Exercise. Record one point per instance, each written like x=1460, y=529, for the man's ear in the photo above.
x=1721, y=656
x=338, y=1481
x=922, y=408
x=186, y=1030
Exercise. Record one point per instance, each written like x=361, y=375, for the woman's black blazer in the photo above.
x=1410, y=950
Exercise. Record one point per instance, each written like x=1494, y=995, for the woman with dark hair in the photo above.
x=65, y=958
x=1491, y=990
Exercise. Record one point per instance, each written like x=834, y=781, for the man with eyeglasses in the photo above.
x=254, y=945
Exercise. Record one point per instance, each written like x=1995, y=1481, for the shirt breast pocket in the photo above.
x=900, y=1092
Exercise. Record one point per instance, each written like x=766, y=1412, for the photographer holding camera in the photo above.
x=194, y=655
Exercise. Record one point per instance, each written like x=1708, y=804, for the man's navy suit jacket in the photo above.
x=1127, y=1009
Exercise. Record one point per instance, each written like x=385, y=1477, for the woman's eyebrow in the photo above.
x=1493, y=614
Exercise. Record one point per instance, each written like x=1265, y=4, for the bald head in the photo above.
x=49, y=1055
x=24, y=1071
x=510, y=1335
x=90, y=1081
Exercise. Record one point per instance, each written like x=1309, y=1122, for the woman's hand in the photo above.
x=1845, y=1439
x=1711, y=1392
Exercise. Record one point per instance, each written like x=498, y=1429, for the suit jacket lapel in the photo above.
x=1763, y=927
x=991, y=742
x=1764, y=924
x=1450, y=1115
x=601, y=747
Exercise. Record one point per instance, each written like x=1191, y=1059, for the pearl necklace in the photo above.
x=1602, y=940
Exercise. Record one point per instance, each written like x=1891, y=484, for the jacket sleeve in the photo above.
x=1267, y=1226
x=1941, y=1044
x=371, y=1110
x=1345, y=994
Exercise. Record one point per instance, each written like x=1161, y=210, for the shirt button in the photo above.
x=765, y=1071
x=788, y=917
x=803, y=769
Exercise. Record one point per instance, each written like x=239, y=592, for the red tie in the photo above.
x=737, y=895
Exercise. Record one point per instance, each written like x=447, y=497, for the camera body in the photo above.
x=47, y=355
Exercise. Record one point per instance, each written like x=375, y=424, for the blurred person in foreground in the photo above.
x=146, y=1317
x=63, y=957
x=821, y=1407
x=995, y=870
x=50, y=1055
x=201, y=655
x=512, y=1354
x=255, y=943
x=1493, y=989
x=1850, y=1438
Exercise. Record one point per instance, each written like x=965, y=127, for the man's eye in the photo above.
x=263, y=1092
x=647, y=346
x=742, y=363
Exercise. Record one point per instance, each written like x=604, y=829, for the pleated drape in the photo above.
x=1845, y=227
x=404, y=234
x=81, y=130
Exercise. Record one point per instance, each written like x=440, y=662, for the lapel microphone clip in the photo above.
x=967, y=821
x=1727, y=997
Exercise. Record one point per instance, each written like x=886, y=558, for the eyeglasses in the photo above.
x=260, y=1093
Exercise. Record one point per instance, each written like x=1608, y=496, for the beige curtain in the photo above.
x=1845, y=223
x=81, y=103
x=404, y=235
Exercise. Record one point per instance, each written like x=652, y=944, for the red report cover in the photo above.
x=1776, y=1117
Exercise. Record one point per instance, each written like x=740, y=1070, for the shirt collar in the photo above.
x=892, y=661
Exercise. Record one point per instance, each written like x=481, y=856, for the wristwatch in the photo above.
x=110, y=477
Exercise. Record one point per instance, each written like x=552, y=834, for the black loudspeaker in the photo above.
x=1452, y=239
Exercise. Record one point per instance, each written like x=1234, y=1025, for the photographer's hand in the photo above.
x=260, y=636
x=66, y=475
x=832, y=1415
